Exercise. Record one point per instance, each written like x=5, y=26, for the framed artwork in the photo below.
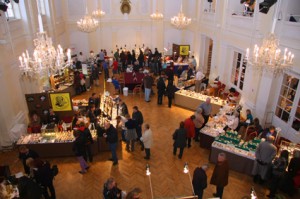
x=61, y=101
x=184, y=50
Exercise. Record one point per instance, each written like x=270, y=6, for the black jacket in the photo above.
x=31, y=154
x=199, y=179
x=161, y=86
x=43, y=175
x=138, y=117
x=112, y=135
x=79, y=146
x=87, y=136
x=179, y=138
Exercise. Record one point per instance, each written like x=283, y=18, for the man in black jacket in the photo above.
x=200, y=180
x=24, y=154
x=111, y=136
x=161, y=89
x=137, y=116
x=79, y=150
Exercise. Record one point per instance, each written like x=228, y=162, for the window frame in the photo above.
x=238, y=71
x=14, y=9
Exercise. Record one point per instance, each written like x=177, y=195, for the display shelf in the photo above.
x=49, y=137
x=289, y=146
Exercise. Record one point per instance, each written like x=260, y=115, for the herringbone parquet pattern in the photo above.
x=167, y=176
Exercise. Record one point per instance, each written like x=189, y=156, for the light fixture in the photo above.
x=45, y=57
x=269, y=57
x=148, y=173
x=98, y=13
x=180, y=21
x=157, y=15
x=148, y=170
x=88, y=23
x=186, y=170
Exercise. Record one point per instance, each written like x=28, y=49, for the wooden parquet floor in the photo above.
x=167, y=176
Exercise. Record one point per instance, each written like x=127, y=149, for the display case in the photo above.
x=289, y=146
x=191, y=100
x=50, y=137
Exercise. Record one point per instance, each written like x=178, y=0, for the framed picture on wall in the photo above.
x=184, y=50
x=61, y=101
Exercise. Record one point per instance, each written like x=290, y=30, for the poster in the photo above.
x=184, y=50
x=61, y=101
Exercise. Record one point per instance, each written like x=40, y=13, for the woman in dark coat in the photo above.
x=161, y=88
x=170, y=93
x=79, y=150
x=179, y=138
x=220, y=175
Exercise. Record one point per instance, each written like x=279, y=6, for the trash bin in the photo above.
x=125, y=91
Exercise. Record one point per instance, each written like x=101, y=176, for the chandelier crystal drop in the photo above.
x=157, y=15
x=180, y=21
x=269, y=57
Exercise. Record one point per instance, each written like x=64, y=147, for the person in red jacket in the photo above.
x=190, y=129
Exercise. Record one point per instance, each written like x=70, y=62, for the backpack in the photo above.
x=54, y=170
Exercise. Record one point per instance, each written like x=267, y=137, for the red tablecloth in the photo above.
x=133, y=78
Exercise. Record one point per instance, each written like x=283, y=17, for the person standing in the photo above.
x=170, y=93
x=79, y=150
x=24, y=154
x=200, y=180
x=279, y=166
x=111, y=136
x=220, y=175
x=147, y=140
x=42, y=173
x=265, y=153
x=179, y=138
x=130, y=134
x=123, y=110
x=147, y=81
x=88, y=143
x=207, y=108
x=137, y=116
x=198, y=81
x=198, y=121
x=161, y=89
x=190, y=129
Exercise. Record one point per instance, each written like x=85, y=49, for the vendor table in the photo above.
x=192, y=103
x=176, y=66
x=133, y=79
x=206, y=140
x=57, y=149
x=237, y=162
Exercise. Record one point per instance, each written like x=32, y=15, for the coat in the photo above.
x=265, y=153
x=220, y=174
x=198, y=121
x=147, y=139
x=179, y=138
x=199, y=179
x=79, y=146
x=161, y=86
x=190, y=127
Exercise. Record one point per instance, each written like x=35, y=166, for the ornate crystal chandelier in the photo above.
x=269, y=57
x=46, y=59
x=180, y=21
x=88, y=23
x=98, y=13
x=157, y=15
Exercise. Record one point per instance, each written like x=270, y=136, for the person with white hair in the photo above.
x=198, y=80
x=200, y=180
x=207, y=109
x=264, y=154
